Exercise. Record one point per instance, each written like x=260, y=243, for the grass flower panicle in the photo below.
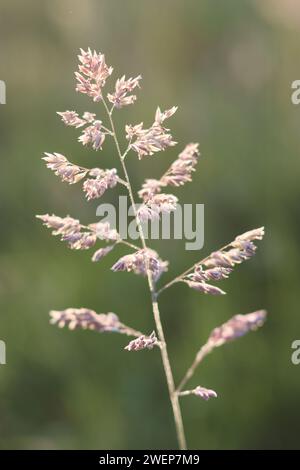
x=91, y=78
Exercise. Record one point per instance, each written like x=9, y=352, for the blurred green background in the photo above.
x=229, y=67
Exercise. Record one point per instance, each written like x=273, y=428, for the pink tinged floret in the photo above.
x=86, y=319
x=205, y=288
x=120, y=97
x=237, y=326
x=85, y=241
x=101, y=253
x=156, y=205
x=143, y=342
x=134, y=131
x=219, y=264
x=60, y=225
x=139, y=261
x=154, y=139
x=63, y=168
x=241, y=249
x=103, y=180
x=93, y=73
x=149, y=188
x=160, y=116
x=70, y=231
x=104, y=231
x=213, y=274
x=204, y=393
x=256, y=234
x=89, y=117
x=93, y=135
x=146, y=213
x=71, y=118
x=179, y=173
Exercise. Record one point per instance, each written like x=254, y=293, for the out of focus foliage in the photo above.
x=228, y=66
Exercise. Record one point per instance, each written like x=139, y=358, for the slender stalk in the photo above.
x=190, y=372
x=164, y=352
x=130, y=245
x=169, y=376
x=129, y=331
x=185, y=393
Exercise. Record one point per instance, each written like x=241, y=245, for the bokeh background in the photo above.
x=229, y=67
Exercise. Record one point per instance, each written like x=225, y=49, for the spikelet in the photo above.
x=120, y=96
x=152, y=140
x=93, y=73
